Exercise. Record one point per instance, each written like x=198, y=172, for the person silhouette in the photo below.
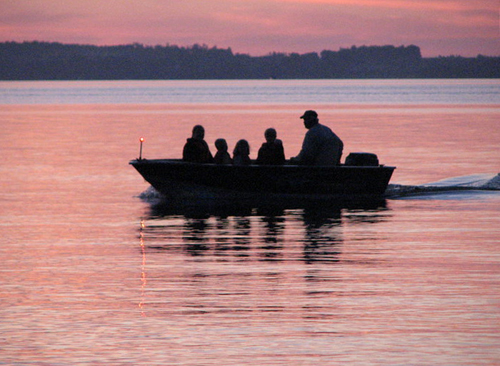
x=196, y=149
x=222, y=156
x=241, y=153
x=321, y=146
x=271, y=152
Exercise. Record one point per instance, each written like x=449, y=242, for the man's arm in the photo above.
x=309, y=148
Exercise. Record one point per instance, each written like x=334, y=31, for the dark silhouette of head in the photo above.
x=198, y=132
x=221, y=144
x=310, y=118
x=270, y=135
x=242, y=148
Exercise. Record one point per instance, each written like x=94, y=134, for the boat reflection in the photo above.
x=245, y=233
x=215, y=260
x=322, y=237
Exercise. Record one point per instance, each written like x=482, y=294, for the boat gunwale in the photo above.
x=254, y=165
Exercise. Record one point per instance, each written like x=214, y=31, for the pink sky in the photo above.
x=258, y=27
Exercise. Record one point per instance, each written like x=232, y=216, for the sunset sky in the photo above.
x=258, y=27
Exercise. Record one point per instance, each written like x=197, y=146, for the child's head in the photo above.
x=198, y=132
x=221, y=145
x=270, y=135
x=242, y=148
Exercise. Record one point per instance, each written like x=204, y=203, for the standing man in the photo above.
x=321, y=146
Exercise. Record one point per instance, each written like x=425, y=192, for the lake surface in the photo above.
x=371, y=92
x=94, y=273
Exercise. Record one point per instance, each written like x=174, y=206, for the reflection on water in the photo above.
x=265, y=233
x=251, y=270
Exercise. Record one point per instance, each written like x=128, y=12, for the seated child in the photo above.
x=196, y=148
x=271, y=151
x=241, y=153
x=222, y=156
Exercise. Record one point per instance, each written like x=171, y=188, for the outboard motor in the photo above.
x=361, y=159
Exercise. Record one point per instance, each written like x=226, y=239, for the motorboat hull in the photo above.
x=179, y=181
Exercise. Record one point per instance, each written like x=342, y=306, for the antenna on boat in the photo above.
x=140, y=149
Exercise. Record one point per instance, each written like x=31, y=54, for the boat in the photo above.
x=180, y=181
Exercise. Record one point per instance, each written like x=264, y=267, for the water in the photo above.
x=94, y=274
x=371, y=92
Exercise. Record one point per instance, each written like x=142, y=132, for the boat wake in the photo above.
x=151, y=195
x=469, y=186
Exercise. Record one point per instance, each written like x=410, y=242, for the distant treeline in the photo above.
x=56, y=61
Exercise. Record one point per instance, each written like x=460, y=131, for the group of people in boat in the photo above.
x=321, y=146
